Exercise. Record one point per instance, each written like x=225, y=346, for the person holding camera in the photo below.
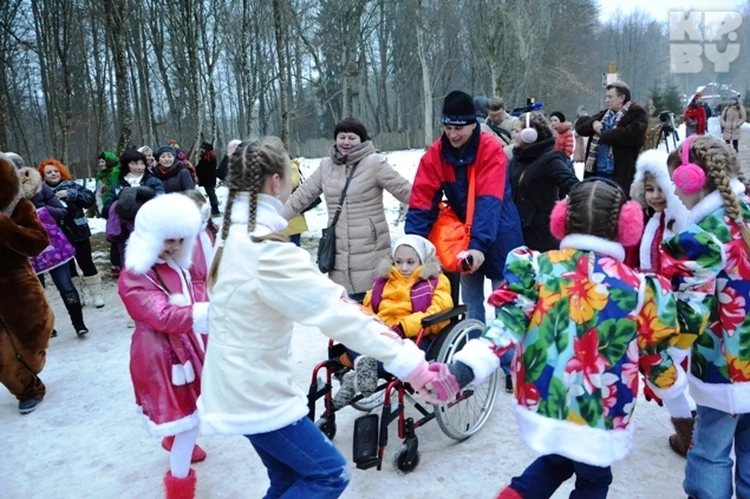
x=617, y=135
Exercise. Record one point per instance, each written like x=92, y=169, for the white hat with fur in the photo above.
x=169, y=216
x=654, y=163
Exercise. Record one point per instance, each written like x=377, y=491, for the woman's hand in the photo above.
x=477, y=259
x=61, y=194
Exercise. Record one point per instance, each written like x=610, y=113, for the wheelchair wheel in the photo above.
x=465, y=416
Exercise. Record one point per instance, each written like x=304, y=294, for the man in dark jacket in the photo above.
x=206, y=171
x=617, y=135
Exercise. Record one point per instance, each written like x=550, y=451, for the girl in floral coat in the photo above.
x=654, y=190
x=709, y=263
x=583, y=322
x=167, y=351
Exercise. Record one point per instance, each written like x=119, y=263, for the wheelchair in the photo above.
x=459, y=419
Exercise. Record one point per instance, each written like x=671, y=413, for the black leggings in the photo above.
x=84, y=259
x=735, y=144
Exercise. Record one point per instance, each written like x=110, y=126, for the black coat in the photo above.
x=148, y=180
x=539, y=176
x=625, y=140
x=206, y=171
x=75, y=224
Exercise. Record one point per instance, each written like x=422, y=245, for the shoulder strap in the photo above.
x=377, y=294
x=421, y=294
x=343, y=195
x=472, y=196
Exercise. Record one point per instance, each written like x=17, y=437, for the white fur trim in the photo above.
x=169, y=216
x=267, y=214
x=478, y=355
x=652, y=226
x=674, y=391
x=161, y=430
x=200, y=317
x=712, y=202
x=678, y=354
x=407, y=359
x=732, y=398
x=183, y=374
x=179, y=300
x=594, y=446
x=588, y=242
x=206, y=247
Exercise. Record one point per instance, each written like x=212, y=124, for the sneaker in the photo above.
x=27, y=406
x=508, y=383
x=346, y=392
x=82, y=331
x=366, y=369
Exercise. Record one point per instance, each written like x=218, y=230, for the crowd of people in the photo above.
x=641, y=270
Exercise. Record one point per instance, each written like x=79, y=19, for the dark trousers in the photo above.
x=211, y=193
x=297, y=240
x=545, y=475
x=735, y=144
x=115, y=259
x=84, y=259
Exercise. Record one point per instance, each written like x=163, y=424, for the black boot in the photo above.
x=73, y=304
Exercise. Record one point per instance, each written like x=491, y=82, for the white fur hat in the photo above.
x=424, y=248
x=169, y=216
x=654, y=162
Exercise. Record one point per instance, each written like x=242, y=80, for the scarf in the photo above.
x=591, y=160
x=354, y=156
x=133, y=180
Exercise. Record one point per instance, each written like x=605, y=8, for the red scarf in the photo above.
x=697, y=112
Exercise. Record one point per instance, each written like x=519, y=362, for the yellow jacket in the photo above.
x=298, y=224
x=395, y=305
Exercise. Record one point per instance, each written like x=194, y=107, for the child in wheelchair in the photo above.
x=409, y=287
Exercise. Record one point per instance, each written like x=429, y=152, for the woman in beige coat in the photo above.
x=362, y=235
x=732, y=118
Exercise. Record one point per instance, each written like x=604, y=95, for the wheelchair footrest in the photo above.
x=365, y=445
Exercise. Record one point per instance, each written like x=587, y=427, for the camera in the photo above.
x=531, y=106
x=666, y=118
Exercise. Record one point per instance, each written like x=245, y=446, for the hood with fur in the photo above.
x=31, y=182
x=430, y=267
x=169, y=216
x=654, y=162
x=10, y=186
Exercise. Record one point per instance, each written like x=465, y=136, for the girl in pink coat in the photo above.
x=167, y=351
x=203, y=255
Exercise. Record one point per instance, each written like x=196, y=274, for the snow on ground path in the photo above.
x=85, y=440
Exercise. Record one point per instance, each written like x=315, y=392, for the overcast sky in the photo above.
x=659, y=9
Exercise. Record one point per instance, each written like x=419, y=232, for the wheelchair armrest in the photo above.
x=453, y=313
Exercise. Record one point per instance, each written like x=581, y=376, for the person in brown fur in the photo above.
x=23, y=336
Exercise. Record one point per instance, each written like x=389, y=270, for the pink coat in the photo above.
x=166, y=354
x=202, y=258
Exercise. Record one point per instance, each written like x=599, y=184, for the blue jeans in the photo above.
x=708, y=472
x=301, y=462
x=61, y=277
x=472, y=294
x=545, y=475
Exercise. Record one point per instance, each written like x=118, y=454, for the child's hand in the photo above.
x=442, y=386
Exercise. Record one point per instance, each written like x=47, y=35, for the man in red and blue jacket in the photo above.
x=443, y=171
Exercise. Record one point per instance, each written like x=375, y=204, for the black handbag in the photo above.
x=327, y=244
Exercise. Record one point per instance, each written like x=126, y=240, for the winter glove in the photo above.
x=419, y=377
x=443, y=385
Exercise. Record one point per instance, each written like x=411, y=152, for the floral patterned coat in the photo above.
x=584, y=324
x=710, y=268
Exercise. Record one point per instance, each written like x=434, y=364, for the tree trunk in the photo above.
x=426, y=79
x=282, y=75
x=115, y=23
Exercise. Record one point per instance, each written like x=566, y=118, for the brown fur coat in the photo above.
x=24, y=312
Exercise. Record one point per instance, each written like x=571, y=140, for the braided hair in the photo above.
x=721, y=164
x=251, y=164
x=594, y=208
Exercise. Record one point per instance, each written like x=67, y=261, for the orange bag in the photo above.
x=449, y=235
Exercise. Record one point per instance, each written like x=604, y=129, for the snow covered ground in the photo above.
x=86, y=440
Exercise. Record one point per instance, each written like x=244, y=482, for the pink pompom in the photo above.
x=558, y=218
x=630, y=224
x=689, y=178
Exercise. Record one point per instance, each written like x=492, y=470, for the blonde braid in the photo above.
x=255, y=181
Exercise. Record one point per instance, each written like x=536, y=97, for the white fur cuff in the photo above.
x=200, y=317
x=478, y=355
x=407, y=359
x=678, y=354
x=183, y=374
x=673, y=391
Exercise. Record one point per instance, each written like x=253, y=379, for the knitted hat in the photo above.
x=458, y=109
x=17, y=160
x=422, y=246
x=207, y=146
x=162, y=149
x=560, y=116
x=480, y=106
